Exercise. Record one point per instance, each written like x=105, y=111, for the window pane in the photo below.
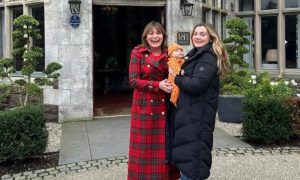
x=16, y=12
x=292, y=33
x=246, y=5
x=223, y=33
x=203, y=16
x=204, y=1
x=222, y=4
x=292, y=3
x=1, y=31
x=215, y=20
x=268, y=4
x=38, y=14
x=269, y=41
x=214, y=2
x=249, y=57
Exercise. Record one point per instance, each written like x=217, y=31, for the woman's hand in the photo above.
x=166, y=86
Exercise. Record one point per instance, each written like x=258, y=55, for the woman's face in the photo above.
x=154, y=38
x=200, y=37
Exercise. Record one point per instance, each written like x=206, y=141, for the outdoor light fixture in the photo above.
x=186, y=8
x=75, y=10
x=75, y=6
x=109, y=10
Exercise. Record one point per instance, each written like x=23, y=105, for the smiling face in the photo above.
x=154, y=38
x=200, y=37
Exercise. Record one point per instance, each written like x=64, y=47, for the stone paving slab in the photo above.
x=109, y=137
x=74, y=144
x=228, y=163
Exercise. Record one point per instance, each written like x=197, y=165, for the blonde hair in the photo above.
x=218, y=48
x=158, y=27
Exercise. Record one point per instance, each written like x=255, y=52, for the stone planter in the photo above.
x=229, y=108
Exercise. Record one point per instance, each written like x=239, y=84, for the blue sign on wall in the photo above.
x=75, y=21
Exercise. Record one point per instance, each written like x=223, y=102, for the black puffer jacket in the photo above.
x=196, y=112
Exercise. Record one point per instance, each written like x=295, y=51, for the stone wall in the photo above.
x=73, y=49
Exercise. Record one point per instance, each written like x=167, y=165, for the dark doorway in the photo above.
x=116, y=30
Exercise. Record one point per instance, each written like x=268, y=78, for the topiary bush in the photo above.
x=25, y=32
x=267, y=118
x=23, y=133
x=234, y=83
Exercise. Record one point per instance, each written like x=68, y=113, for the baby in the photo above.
x=175, y=60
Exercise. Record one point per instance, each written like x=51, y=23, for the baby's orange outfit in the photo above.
x=174, y=64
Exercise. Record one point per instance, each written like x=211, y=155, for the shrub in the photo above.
x=294, y=104
x=235, y=82
x=25, y=32
x=23, y=133
x=266, y=117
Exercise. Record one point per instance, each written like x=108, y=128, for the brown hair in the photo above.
x=148, y=28
x=218, y=47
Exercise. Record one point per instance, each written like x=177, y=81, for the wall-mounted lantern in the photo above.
x=75, y=10
x=186, y=8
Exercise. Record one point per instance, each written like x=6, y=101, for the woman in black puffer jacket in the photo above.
x=195, y=115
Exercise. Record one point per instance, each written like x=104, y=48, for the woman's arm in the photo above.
x=204, y=72
x=143, y=84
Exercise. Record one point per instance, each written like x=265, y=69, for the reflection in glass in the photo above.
x=268, y=4
x=269, y=40
x=292, y=33
x=292, y=3
x=246, y=5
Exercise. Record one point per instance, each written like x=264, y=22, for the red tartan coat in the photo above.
x=147, y=149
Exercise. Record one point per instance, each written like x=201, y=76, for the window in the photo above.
x=246, y=5
x=268, y=4
x=249, y=57
x=1, y=31
x=38, y=14
x=223, y=30
x=222, y=4
x=269, y=49
x=16, y=12
x=214, y=3
x=204, y=16
x=215, y=19
x=203, y=1
x=292, y=3
x=292, y=34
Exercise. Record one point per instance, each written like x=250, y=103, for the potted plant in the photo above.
x=233, y=85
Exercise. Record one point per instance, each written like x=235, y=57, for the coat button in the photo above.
x=148, y=65
x=163, y=100
x=150, y=87
x=146, y=55
x=151, y=100
x=151, y=114
x=162, y=113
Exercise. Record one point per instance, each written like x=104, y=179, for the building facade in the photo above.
x=95, y=55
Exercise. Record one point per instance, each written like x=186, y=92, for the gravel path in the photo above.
x=54, y=130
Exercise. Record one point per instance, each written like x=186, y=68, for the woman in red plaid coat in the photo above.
x=147, y=75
